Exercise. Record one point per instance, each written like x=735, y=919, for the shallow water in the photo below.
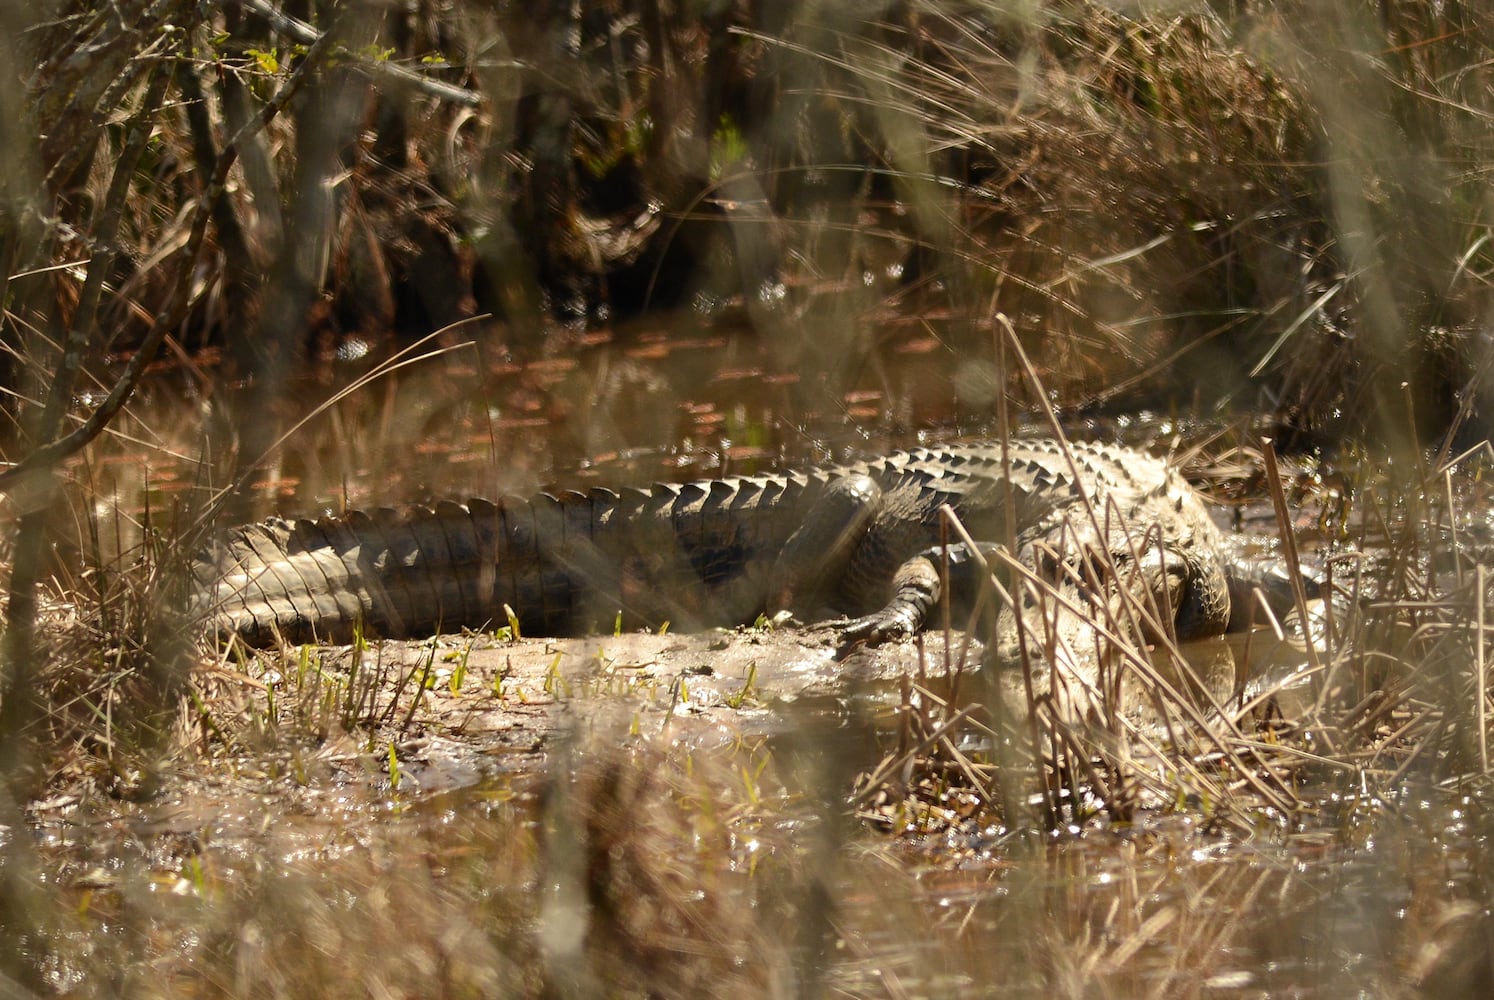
x=711, y=848
x=498, y=882
x=615, y=409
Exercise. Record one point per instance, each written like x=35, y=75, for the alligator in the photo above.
x=865, y=541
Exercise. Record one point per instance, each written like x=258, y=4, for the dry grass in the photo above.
x=1195, y=853
x=1214, y=198
x=1265, y=206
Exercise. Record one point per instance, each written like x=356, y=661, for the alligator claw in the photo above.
x=877, y=628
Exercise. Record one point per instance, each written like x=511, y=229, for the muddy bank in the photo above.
x=399, y=721
x=459, y=709
x=311, y=748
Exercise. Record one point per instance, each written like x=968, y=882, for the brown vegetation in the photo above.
x=1276, y=210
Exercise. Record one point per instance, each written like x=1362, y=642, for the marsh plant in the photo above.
x=259, y=258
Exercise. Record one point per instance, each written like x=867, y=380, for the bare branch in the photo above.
x=171, y=315
x=304, y=33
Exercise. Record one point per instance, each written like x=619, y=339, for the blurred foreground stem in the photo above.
x=21, y=702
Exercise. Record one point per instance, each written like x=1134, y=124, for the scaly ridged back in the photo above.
x=693, y=554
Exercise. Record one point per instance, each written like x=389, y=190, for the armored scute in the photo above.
x=860, y=540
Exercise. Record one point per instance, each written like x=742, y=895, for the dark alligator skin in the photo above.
x=861, y=539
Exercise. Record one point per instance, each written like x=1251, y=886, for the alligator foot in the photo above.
x=916, y=589
x=896, y=621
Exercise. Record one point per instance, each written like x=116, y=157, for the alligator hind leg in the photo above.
x=815, y=557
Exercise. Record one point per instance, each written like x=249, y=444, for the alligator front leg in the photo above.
x=1088, y=585
x=917, y=587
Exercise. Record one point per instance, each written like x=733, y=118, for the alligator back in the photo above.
x=694, y=554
